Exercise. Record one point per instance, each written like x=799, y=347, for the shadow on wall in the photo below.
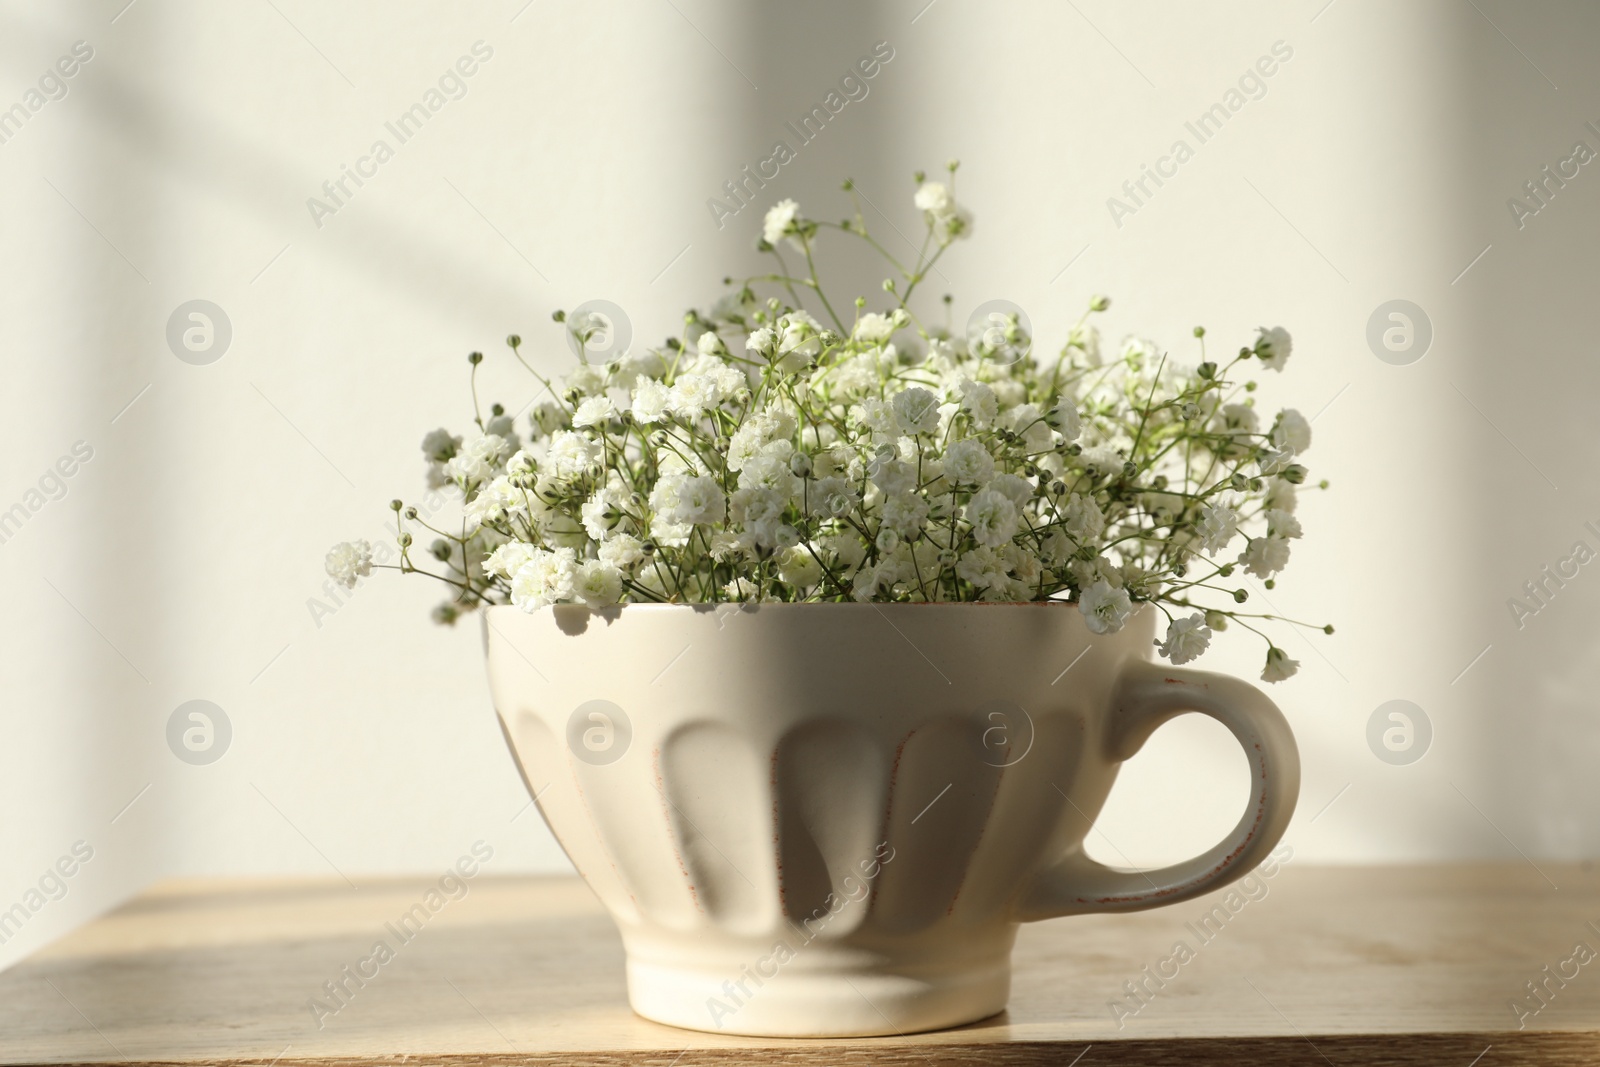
x=1530, y=146
x=825, y=85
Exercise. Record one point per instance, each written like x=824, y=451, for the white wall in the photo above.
x=180, y=562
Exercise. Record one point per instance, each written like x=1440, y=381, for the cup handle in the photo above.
x=1147, y=695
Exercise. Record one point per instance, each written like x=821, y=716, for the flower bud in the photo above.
x=1099, y=302
x=396, y=505
x=1199, y=331
x=800, y=464
x=440, y=550
x=474, y=358
x=411, y=513
x=1294, y=474
x=1216, y=620
x=405, y=540
x=1207, y=370
x=1240, y=596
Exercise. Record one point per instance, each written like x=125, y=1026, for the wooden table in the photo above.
x=1332, y=966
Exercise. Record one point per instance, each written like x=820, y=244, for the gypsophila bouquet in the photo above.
x=766, y=454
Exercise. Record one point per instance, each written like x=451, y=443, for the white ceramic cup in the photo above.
x=828, y=819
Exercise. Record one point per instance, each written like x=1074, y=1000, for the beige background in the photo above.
x=181, y=560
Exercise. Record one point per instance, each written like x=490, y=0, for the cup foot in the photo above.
x=817, y=1002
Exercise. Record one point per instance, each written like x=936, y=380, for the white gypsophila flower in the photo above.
x=798, y=566
x=756, y=433
x=916, y=410
x=1186, y=639
x=1274, y=460
x=598, y=584
x=935, y=198
x=649, y=400
x=978, y=401
x=832, y=498
x=1105, y=608
x=1087, y=572
x=1273, y=347
x=547, y=578
x=872, y=580
x=602, y=513
x=1139, y=350
x=726, y=546
x=586, y=379
x=1026, y=420
x=1292, y=431
x=1102, y=460
x=1218, y=524
x=769, y=469
x=876, y=415
x=348, y=561
x=1056, y=549
x=692, y=395
x=1282, y=524
x=571, y=455
x=1023, y=563
x=478, y=459
x=521, y=463
x=1082, y=519
x=993, y=517
x=906, y=513
x=594, y=411
x=1065, y=420
x=1282, y=496
x=874, y=329
x=740, y=590
x=440, y=445
x=779, y=221
x=1279, y=667
x=709, y=344
x=1239, y=420
x=508, y=559
x=890, y=474
x=493, y=501
x=760, y=511
x=982, y=567
x=846, y=548
x=695, y=499
x=799, y=340
x=968, y=462
x=761, y=341
x=1017, y=490
x=623, y=551
x=1265, y=556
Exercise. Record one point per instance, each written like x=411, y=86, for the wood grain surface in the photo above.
x=1327, y=966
